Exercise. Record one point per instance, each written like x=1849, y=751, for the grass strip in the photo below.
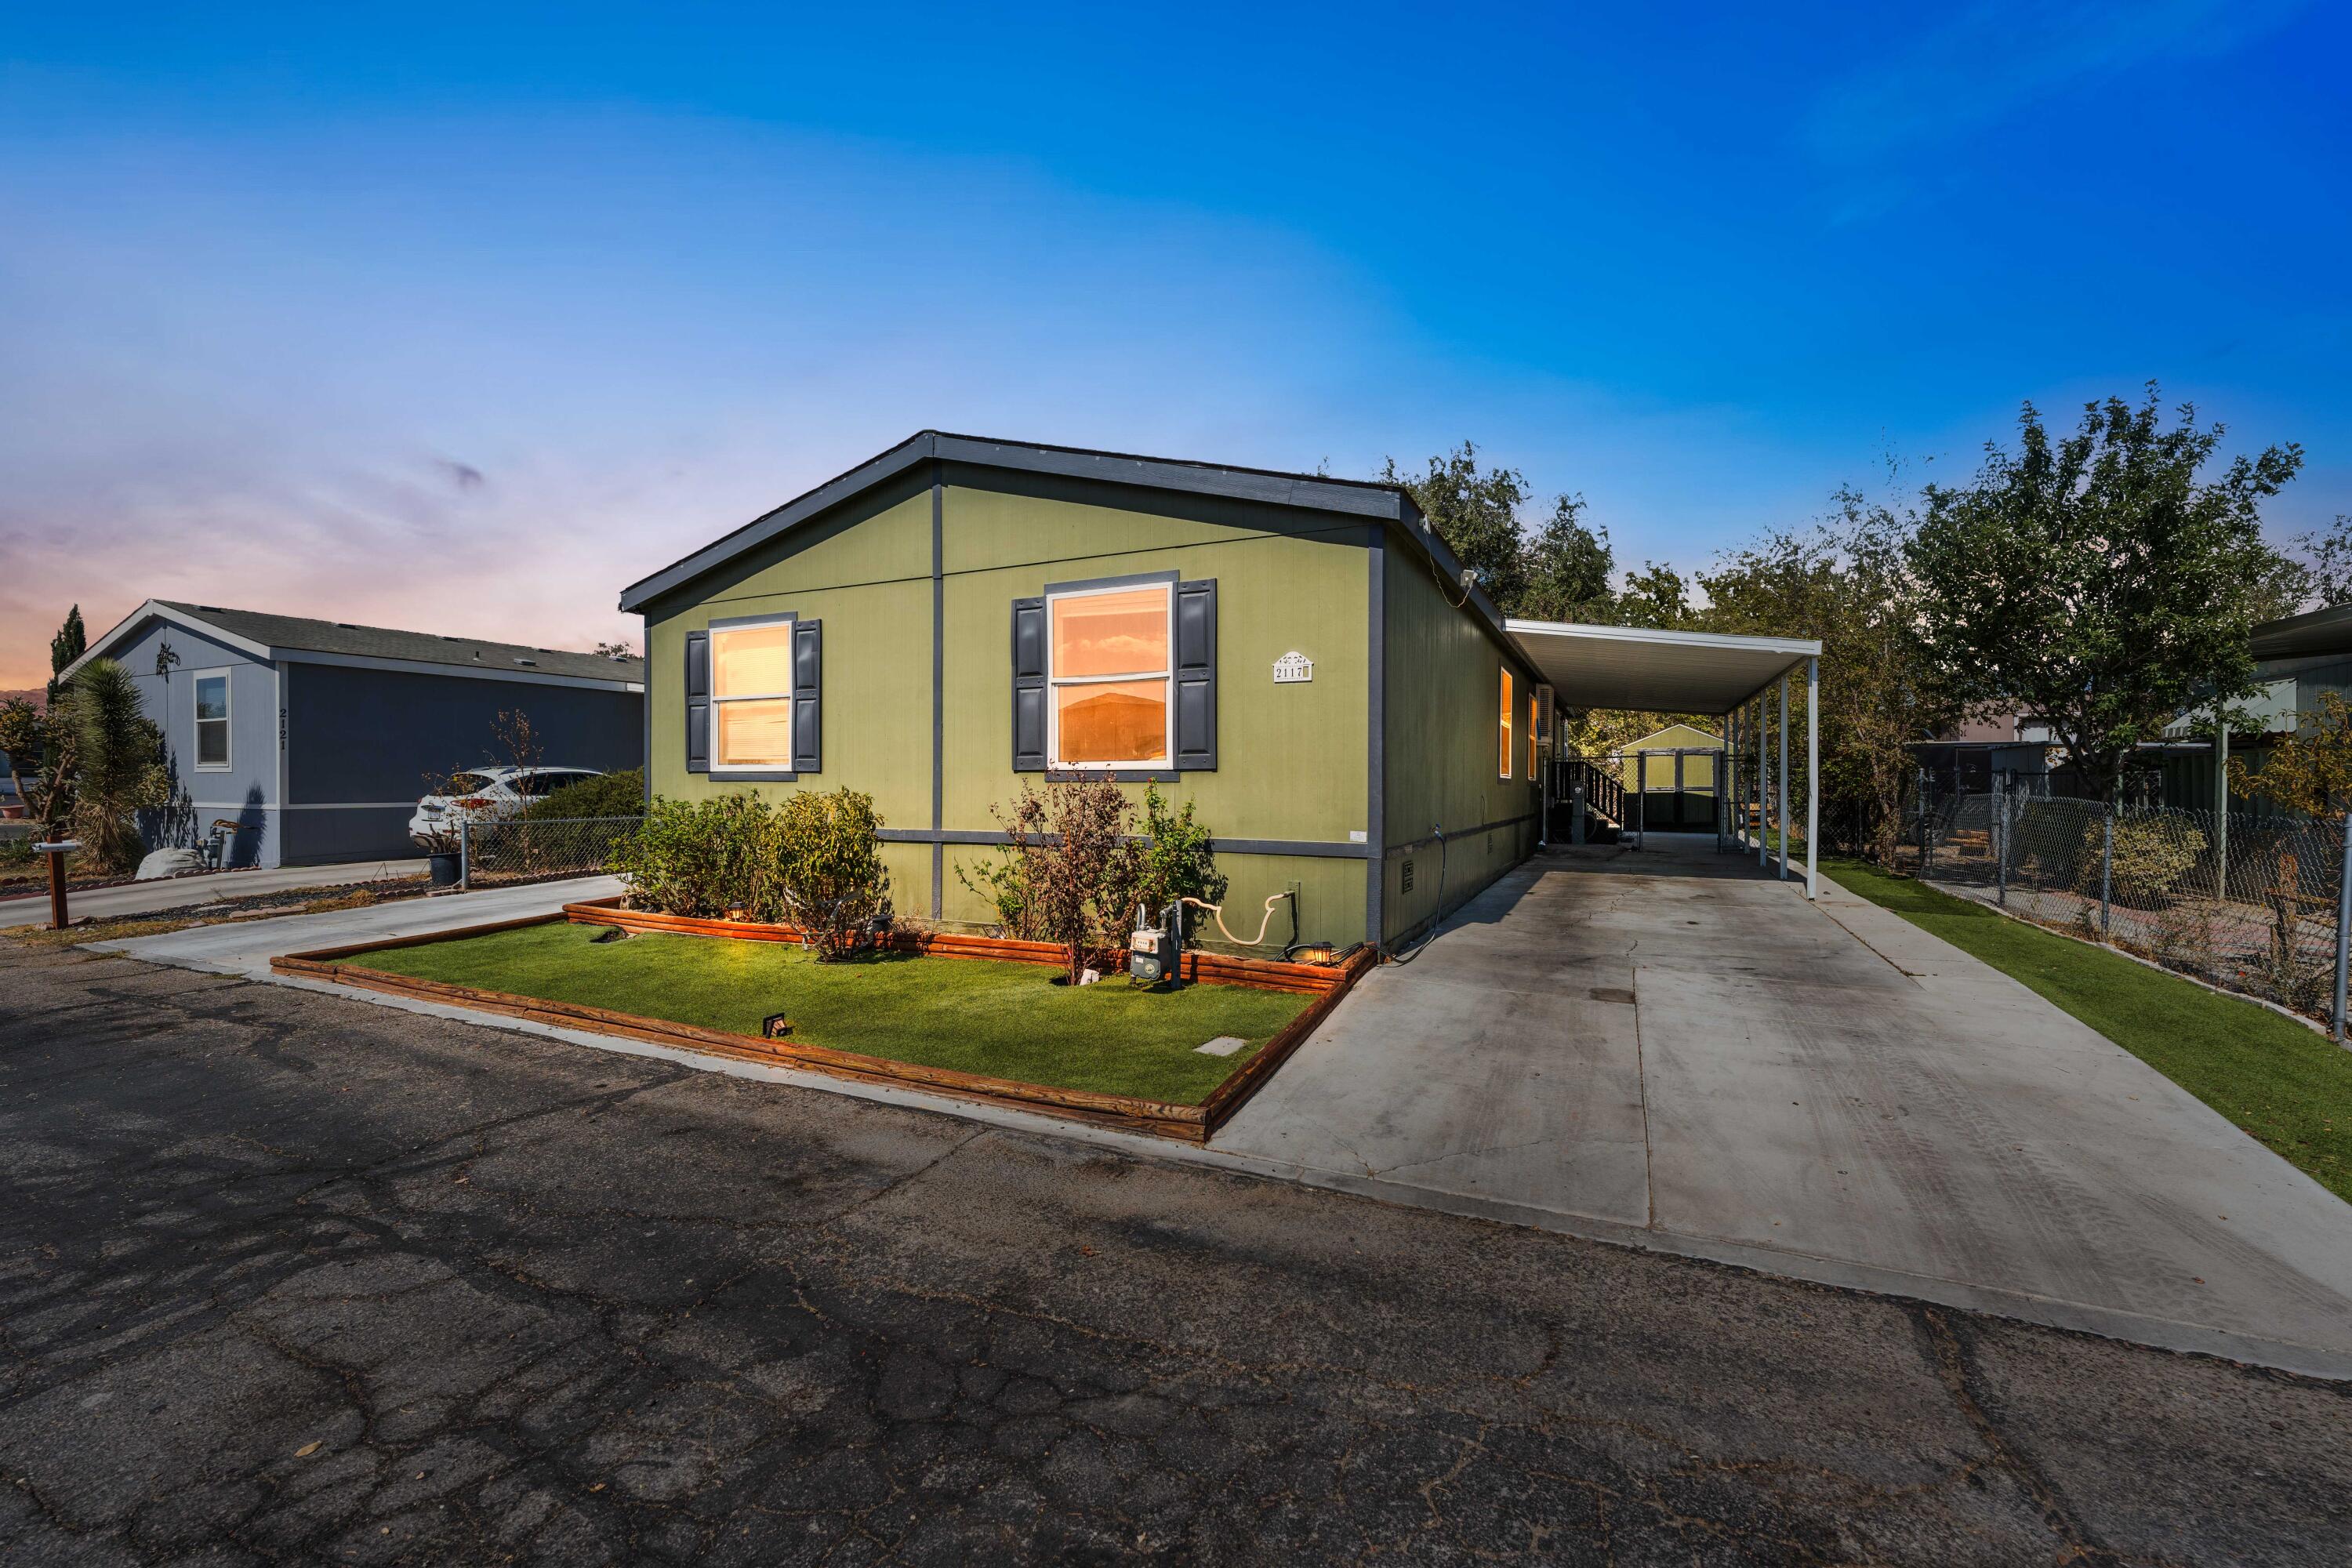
x=977, y=1015
x=2284, y=1085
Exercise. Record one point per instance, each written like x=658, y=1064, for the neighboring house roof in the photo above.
x=302, y=639
x=1371, y=499
x=2320, y=631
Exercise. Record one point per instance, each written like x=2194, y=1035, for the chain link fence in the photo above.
x=524, y=849
x=2243, y=901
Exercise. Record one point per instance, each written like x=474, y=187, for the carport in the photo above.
x=1707, y=673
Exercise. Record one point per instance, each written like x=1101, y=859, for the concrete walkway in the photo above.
x=177, y=892
x=1668, y=1048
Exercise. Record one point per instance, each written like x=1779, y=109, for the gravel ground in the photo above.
x=289, y=1277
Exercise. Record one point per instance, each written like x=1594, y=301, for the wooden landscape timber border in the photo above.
x=1189, y=1123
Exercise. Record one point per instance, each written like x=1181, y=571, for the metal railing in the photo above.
x=527, y=849
x=2251, y=903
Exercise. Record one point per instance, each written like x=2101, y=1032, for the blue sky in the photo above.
x=462, y=322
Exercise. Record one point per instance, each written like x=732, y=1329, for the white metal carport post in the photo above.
x=1784, y=778
x=1812, y=770
x=1763, y=786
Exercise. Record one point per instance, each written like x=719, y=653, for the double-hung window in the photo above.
x=1506, y=724
x=212, y=720
x=1111, y=677
x=752, y=697
x=1533, y=712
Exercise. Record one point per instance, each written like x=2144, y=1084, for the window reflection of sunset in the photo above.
x=1113, y=722
x=1123, y=633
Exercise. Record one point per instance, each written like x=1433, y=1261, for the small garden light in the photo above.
x=775, y=1026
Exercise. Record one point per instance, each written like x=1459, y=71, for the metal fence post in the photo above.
x=2343, y=923
x=465, y=854
x=2000, y=840
x=2106, y=862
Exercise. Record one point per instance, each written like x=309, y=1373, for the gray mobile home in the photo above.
x=316, y=737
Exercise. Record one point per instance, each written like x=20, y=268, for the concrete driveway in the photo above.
x=1669, y=1049
x=177, y=892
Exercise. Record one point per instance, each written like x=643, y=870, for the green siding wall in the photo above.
x=1443, y=752
x=1291, y=758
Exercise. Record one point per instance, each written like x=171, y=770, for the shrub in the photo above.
x=606, y=794
x=828, y=870
x=702, y=857
x=1178, y=862
x=1072, y=871
x=2152, y=856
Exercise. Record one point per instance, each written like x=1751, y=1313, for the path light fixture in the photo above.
x=57, y=853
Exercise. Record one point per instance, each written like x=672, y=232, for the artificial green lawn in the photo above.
x=1006, y=1020
x=2285, y=1085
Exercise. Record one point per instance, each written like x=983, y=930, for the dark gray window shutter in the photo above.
x=1196, y=675
x=697, y=702
x=1028, y=686
x=808, y=716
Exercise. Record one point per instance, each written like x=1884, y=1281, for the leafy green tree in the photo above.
x=1656, y=596
x=1846, y=580
x=118, y=764
x=1476, y=512
x=2099, y=581
x=2329, y=576
x=1568, y=567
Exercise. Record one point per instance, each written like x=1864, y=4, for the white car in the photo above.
x=492, y=795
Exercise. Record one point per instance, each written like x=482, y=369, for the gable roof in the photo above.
x=299, y=637
x=1372, y=499
x=1643, y=742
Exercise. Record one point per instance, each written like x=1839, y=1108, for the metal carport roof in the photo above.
x=1656, y=671
x=1644, y=669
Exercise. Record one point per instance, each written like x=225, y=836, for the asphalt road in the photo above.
x=289, y=1277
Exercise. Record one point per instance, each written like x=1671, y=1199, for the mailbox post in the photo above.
x=57, y=853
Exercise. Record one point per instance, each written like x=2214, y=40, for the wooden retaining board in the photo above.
x=1189, y=1123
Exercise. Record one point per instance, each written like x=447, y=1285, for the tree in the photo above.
x=1476, y=512
x=40, y=740
x=616, y=650
x=1070, y=870
x=2097, y=581
x=118, y=764
x=2310, y=770
x=70, y=643
x=1567, y=568
x=2328, y=578
x=1846, y=582
x=1656, y=596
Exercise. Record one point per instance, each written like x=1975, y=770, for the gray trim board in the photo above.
x=1376, y=664
x=1312, y=849
x=938, y=685
x=517, y=673
x=1131, y=580
x=646, y=634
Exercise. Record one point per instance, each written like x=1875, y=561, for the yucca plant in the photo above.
x=117, y=765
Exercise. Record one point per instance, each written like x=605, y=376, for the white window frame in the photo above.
x=1166, y=762
x=792, y=703
x=1509, y=693
x=197, y=678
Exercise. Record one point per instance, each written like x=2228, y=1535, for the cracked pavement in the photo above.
x=288, y=1278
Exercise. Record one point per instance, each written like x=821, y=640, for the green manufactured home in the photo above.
x=1298, y=655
